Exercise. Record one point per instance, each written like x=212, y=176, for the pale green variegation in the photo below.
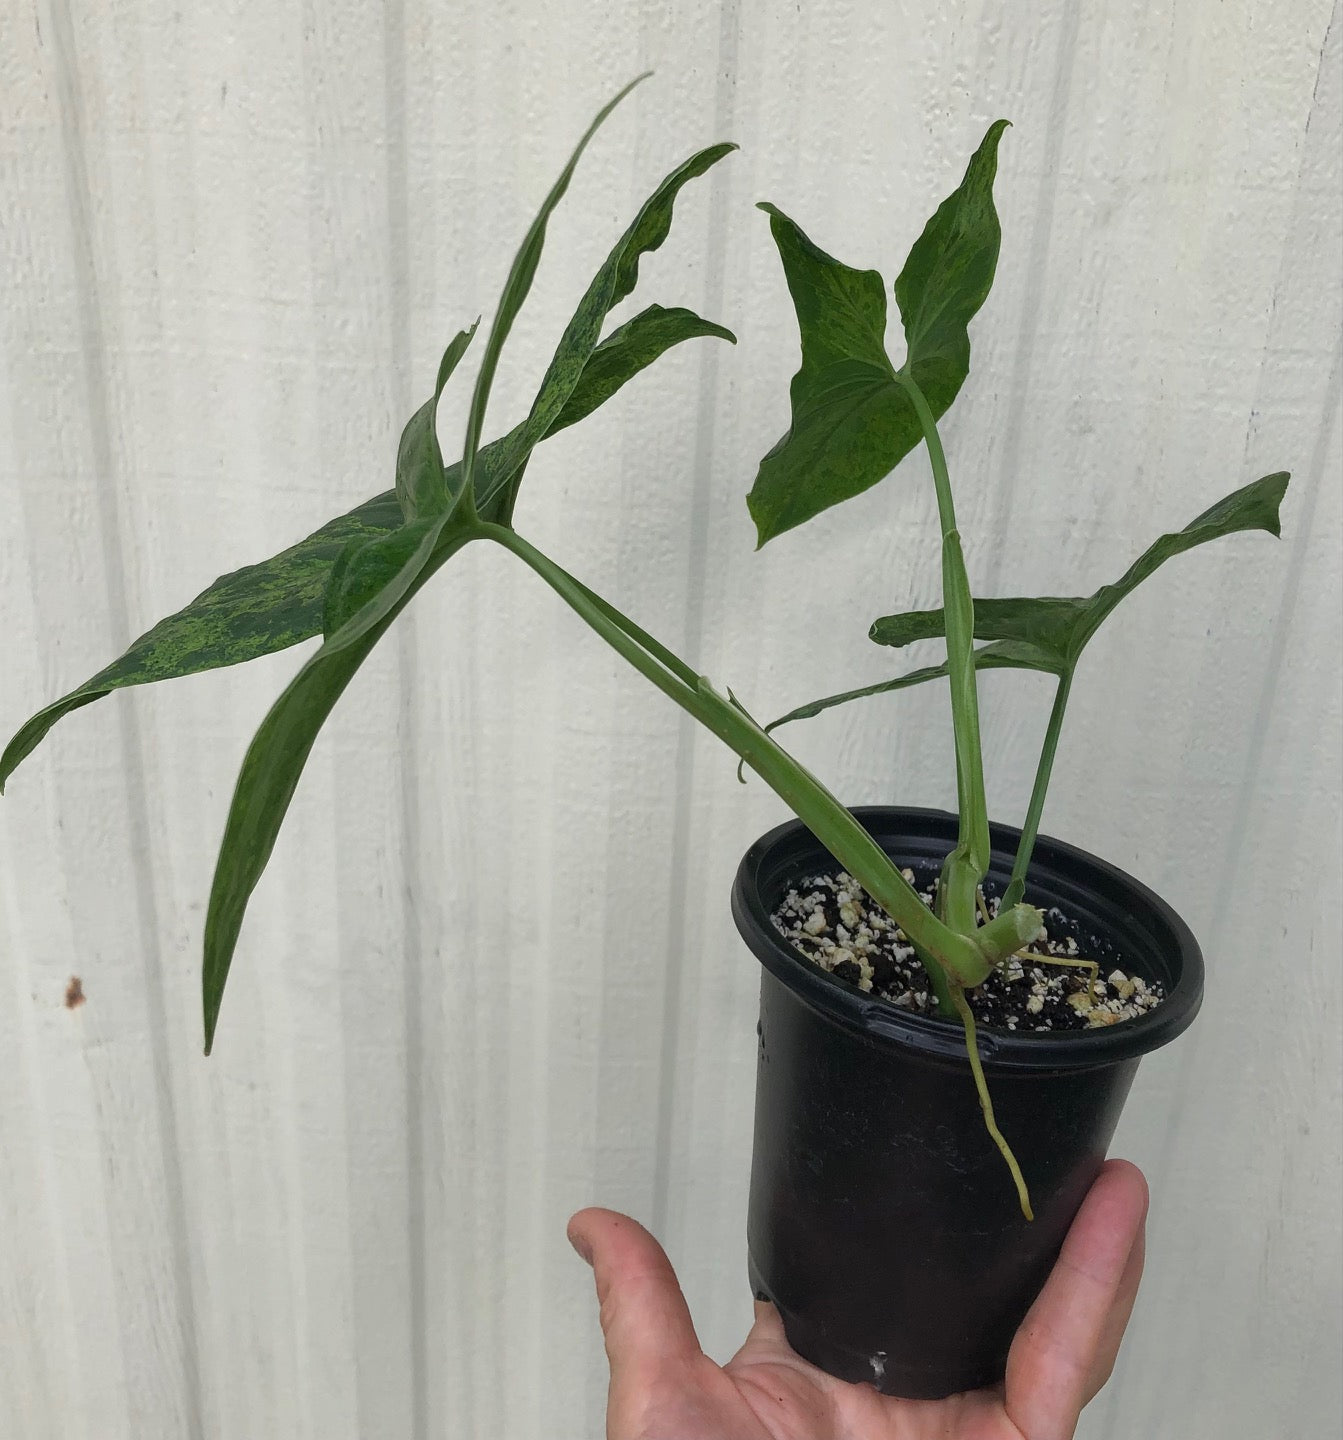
x=376, y=578
x=349, y=580
x=280, y=602
x=251, y=612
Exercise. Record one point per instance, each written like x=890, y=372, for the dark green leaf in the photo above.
x=366, y=568
x=611, y=284
x=266, y=784
x=852, y=423
x=516, y=289
x=1057, y=628
x=419, y=461
x=947, y=278
x=502, y=471
x=279, y=602
x=987, y=657
x=627, y=351
x=1039, y=623
x=250, y=612
x=1255, y=506
x=375, y=581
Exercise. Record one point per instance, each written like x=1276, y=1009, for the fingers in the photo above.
x=1117, y=1322
x=1066, y=1347
x=644, y=1316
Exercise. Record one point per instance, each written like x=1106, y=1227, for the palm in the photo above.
x=663, y=1387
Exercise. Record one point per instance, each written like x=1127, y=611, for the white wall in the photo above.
x=490, y=975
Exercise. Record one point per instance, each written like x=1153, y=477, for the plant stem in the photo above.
x=1016, y=887
x=966, y=957
x=968, y=863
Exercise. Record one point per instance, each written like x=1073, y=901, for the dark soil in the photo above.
x=834, y=923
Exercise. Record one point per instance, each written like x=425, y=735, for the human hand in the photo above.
x=663, y=1386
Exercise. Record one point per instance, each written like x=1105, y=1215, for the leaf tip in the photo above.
x=211, y=1018
x=1278, y=482
x=9, y=762
x=763, y=531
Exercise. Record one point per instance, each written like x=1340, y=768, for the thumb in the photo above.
x=644, y=1316
x=1067, y=1345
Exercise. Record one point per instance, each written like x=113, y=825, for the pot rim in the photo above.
x=1145, y=921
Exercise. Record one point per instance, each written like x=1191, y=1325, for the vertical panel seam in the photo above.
x=1028, y=325
x=113, y=535
x=399, y=339
x=729, y=30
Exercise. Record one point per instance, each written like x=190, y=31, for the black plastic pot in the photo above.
x=883, y=1223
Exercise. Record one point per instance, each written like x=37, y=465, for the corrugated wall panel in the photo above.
x=490, y=975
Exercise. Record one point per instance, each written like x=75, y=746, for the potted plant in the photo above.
x=879, y=1225
x=870, y=1097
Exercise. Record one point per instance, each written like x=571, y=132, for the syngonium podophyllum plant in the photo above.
x=855, y=415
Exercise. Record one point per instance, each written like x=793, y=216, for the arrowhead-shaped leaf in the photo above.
x=947, y=277
x=852, y=421
x=1057, y=628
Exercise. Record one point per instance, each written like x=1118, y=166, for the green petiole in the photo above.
x=1031, y=826
x=968, y=863
x=966, y=959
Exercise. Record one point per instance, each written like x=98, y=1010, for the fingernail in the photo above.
x=582, y=1247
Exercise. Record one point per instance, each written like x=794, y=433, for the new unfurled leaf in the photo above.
x=1057, y=628
x=852, y=422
